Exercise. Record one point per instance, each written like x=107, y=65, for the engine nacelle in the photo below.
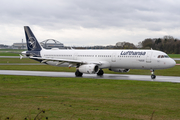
x=88, y=68
x=119, y=70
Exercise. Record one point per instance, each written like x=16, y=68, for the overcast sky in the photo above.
x=89, y=22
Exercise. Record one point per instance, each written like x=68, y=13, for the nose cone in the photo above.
x=172, y=63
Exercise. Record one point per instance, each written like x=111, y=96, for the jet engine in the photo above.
x=88, y=68
x=119, y=70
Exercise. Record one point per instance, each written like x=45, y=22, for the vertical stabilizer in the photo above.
x=32, y=43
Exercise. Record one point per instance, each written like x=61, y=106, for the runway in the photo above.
x=176, y=58
x=94, y=76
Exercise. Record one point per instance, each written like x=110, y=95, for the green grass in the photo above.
x=12, y=50
x=177, y=61
x=174, y=55
x=87, y=99
x=17, y=60
x=9, y=54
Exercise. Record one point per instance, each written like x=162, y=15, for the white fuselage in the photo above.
x=126, y=59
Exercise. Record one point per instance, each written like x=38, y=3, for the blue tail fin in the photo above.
x=32, y=43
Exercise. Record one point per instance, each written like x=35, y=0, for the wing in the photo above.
x=61, y=61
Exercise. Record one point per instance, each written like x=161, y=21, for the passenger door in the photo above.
x=148, y=58
x=113, y=57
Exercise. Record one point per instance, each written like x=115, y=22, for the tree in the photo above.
x=157, y=41
x=167, y=44
x=147, y=43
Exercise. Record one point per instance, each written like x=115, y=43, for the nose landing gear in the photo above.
x=152, y=75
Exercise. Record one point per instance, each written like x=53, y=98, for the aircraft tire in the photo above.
x=78, y=74
x=153, y=76
x=100, y=72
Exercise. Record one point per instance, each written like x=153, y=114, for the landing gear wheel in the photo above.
x=78, y=74
x=100, y=72
x=153, y=76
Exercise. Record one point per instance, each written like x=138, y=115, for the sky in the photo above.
x=88, y=23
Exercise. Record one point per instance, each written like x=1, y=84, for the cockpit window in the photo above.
x=163, y=56
x=166, y=56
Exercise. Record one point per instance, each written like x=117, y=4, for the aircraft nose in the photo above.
x=172, y=63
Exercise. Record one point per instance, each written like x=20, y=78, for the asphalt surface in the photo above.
x=94, y=76
x=176, y=58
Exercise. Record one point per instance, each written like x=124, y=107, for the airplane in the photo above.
x=94, y=61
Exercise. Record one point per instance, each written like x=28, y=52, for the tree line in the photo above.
x=167, y=44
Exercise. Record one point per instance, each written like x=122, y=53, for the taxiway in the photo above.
x=94, y=76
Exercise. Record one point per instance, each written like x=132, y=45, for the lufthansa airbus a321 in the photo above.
x=94, y=61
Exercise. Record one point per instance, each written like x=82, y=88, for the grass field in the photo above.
x=10, y=52
x=174, y=55
x=17, y=60
x=87, y=99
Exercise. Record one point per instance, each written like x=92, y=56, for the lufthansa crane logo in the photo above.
x=32, y=43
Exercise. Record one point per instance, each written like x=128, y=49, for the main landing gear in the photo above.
x=100, y=72
x=152, y=75
x=78, y=74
